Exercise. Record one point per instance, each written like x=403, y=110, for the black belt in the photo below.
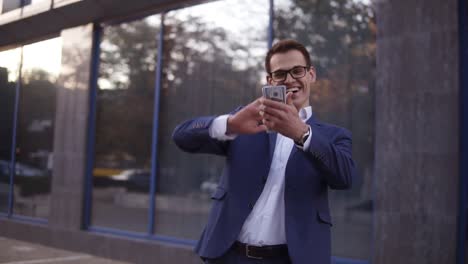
x=261, y=252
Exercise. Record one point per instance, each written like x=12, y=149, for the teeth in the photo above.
x=293, y=90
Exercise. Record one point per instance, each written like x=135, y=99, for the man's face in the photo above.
x=300, y=87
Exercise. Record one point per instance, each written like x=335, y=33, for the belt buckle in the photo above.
x=247, y=253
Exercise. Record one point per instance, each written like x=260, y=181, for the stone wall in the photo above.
x=417, y=132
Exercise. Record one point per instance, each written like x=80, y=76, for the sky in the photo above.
x=45, y=55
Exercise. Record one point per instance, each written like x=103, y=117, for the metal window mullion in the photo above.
x=29, y=219
x=271, y=32
x=154, y=145
x=131, y=234
x=88, y=194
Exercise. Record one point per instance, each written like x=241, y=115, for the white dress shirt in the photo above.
x=265, y=224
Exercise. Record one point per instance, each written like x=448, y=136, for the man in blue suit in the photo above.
x=271, y=204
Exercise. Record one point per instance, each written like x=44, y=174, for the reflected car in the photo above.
x=134, y=179
x=28, y=171
x=31, y=180
x=21, y=169
x=4, y=168
x=208, y=187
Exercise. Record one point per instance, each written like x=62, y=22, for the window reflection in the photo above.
x=9, y=69
x=9, y=5
x=124, y=122
x=33, y=2
x=213, y=63
x=340, y=35
x=35, y=131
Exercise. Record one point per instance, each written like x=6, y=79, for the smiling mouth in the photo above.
x=292, y=90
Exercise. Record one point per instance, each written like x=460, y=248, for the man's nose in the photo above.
x=289, y=78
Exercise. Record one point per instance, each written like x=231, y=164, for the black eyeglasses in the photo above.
x=296, y=72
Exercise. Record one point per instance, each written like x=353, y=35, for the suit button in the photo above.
x=251, y=206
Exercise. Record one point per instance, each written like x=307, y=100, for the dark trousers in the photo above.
x=234, y=257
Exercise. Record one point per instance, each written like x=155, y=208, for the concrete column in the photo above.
x=68, y=178
x=417, y=131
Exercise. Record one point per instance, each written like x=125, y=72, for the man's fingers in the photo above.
x=258, y=101
x=272, y=112
x=272, y=122
x=253, y=106
x=276, y=105
x=289, y=100
x=260, y=128
x=268, y=123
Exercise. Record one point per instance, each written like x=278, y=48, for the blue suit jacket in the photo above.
x=326, y=163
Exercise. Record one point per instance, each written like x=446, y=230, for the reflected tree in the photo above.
x=200, y=77
x=36, y=118
x=126, y=95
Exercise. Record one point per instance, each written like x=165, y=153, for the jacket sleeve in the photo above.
x=334, y=152
x=193, y=136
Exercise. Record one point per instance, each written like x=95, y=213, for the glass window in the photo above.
x=35, y=131
x=9, y=5
x=9, y=70
x=213, y=62
x=340, y=35
x=124, y=122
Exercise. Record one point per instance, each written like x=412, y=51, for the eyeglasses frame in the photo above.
x=306, y=68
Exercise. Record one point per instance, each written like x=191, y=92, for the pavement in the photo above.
x=19, y=252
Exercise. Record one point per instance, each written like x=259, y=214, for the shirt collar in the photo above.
x=305, y=113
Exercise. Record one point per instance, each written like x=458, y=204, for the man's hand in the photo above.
x=247, y=121
x=283, y=118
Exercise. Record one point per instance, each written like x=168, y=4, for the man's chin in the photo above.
x=296, y=98
x=299, y=104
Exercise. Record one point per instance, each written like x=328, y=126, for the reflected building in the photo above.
x=88, y=106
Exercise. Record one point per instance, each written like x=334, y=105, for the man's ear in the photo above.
x=313, y=73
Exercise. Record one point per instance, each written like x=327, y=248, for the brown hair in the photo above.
x=283, y=46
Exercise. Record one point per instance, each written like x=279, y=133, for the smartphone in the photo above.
x=276, y=93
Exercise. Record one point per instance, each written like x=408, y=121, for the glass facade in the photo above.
x=212, y=64
x=9, y=71
x=124, y=121
x=341, y=38
x=35, y=128
x=39, y=64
